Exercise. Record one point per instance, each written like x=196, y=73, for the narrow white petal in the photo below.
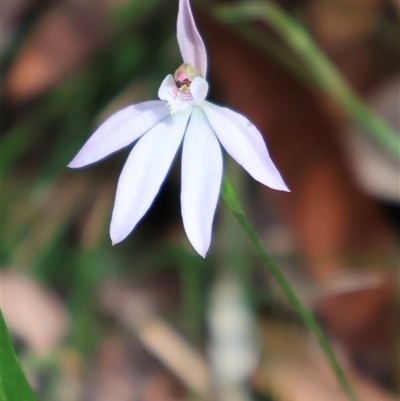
x=120, y=130
x=201, y=180
x=245, y=144
x=190, y=42
x=199, y=89
x=143, y=174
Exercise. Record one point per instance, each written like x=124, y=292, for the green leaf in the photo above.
x=13, y=384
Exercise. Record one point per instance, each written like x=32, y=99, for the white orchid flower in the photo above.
x=182, y=115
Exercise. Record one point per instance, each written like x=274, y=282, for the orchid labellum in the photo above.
x=181, y=116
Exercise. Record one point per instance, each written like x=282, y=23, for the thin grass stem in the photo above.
x=232, y=202
x=321, y=68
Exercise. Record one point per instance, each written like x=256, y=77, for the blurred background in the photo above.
x=149, y=319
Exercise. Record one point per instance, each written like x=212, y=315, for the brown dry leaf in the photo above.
x=135, y=309
x=125, y=371
x=295, y=369
x=33, y=313
x=63, y=39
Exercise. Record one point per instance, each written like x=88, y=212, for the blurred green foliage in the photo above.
x=55, y=221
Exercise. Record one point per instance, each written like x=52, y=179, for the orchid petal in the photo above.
x=120, y=130
x=164, y=92
x=143, y=174
x=242, y=140
x=190, y=42
x=199, y=89
x=201, y=180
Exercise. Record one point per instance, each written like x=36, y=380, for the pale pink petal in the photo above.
x=144, y=172
x=201, y=180
x=120, y=130
x=190, y=42
x=199, y=89
x=242, y=140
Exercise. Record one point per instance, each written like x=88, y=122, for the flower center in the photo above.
x=184, y=89
x=182, y=92
x=183, y=78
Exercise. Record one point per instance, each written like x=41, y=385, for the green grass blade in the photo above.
x=13, y=384
x=323, y=71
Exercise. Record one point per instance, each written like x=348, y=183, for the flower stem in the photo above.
x=232, y=202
